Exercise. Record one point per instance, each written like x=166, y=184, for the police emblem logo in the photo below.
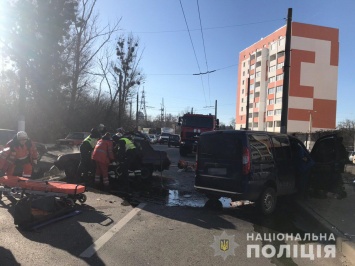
x=224, y=245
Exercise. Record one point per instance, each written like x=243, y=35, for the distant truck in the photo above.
x=192, y=125
x=165, y=133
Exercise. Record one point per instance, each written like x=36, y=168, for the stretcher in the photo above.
x=20, y=186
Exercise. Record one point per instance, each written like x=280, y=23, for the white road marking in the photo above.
x=110, y=233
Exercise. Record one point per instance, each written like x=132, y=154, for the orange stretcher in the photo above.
x=17, y=185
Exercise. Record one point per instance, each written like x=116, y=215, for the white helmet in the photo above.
x=22, y=135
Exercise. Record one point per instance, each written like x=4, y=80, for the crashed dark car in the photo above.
x=152, y=160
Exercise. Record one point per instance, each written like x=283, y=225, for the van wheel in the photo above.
x=267, y=201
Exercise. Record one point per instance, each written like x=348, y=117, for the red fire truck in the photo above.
x=192, y=125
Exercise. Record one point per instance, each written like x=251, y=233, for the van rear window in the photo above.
x=215, y=146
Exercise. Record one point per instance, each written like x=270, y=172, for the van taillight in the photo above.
x=246, y=161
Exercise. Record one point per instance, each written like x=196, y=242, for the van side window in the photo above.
x=282, y=149
x=260, y=146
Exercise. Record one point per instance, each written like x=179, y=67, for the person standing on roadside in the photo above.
x=86, y=169
x=103, y=155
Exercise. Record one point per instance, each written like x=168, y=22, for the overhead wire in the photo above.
x=210, y=28
x=204, y=49
x=193, y=47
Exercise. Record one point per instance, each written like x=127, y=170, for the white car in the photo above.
x=153, y=139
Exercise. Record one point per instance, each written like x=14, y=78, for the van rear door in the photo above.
x=219, y=162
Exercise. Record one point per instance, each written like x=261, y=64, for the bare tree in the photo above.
x=347, y=127
x=86, y=42
x=126, y=72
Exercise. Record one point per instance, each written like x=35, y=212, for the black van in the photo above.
x=255, y=165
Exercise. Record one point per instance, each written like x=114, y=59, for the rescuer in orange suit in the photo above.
x=103, y=155
x=18, y=152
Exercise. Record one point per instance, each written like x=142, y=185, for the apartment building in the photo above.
x=313, y=80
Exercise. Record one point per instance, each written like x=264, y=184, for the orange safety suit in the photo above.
x=103, y=155
x=14, y=154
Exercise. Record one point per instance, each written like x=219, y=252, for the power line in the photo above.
x=193, y=47
x=204, y=49
x=210, y=28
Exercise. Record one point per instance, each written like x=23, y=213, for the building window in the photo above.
x=272, y=79
x=243, y=73
x=272, y=69
x=258, y=63
x=271, y=91
x=277, y=112
x=279, y=89
x=257, y=94
x=241, y=109
x=252, y=86
x=273, y=57
x=252, y=76
x=256, y=124
x=280, y=77
x=257, y=105
x=249, y=125
x=257, y=84
x=258, y=53
x=250, y=115
x=281, y=54
x=258, y=74
x=256, y=114
x=243, y=64
x=280, y=65
x=278, y=100
x=242, y=100
x=269, y=124
x=243, y=82
x=277, y=123
x=252, y=66
x=281, y=41
x=273, y=46
x=271, y=102
x=242, y=91
x=269, y=113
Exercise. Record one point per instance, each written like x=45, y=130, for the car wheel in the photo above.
x=267, y=201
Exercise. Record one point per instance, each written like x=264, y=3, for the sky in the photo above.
x=176, y=47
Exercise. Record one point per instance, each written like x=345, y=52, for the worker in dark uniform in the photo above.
x=86, y=169
x=129, y=159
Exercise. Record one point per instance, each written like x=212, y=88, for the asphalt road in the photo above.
x=166, y=223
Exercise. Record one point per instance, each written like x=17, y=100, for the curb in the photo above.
x=343, y=244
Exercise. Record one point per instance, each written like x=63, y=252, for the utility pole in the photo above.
x=22, y=101
x=162, y=113
x=137, y=112
x=215, y=109
x=285, y=92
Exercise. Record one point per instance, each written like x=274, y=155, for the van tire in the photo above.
x=267, y=201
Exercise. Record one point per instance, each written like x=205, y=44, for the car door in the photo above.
x=285, y=167
x=330, y=157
